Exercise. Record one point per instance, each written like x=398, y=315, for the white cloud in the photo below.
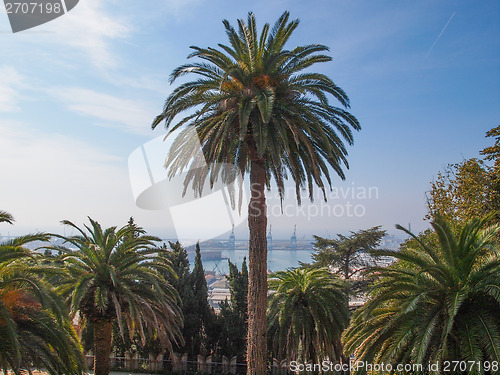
x=10, y=83
x=90, y=29
x=118, y=113
x=52, y=175
x=45, y=178
x=179, y=7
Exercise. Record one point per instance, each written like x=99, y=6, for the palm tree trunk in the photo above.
x=257, y=276
x=102, y=346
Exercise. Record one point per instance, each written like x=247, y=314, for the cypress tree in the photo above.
x=234, y=315
x=202, y=314
x=180, y=263
x=193, y=291
x=178, y=258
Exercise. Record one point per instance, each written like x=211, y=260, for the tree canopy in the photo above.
x=113, y=274
x=308, y=310
x=468, y=189
x=439, y=302
x=35, y=329
x=234, y=314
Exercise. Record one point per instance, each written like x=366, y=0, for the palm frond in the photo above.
x=437, y=302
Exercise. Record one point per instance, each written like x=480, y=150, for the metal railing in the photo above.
x=180, y=364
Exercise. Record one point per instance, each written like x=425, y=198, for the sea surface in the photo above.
x=277, y=260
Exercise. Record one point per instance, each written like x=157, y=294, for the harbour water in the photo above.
x=277, y=260
x=282, y=254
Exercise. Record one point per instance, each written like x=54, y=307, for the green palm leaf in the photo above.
x=255, y=105
x=443, y=301
x=116, y=274
x=35, y=329
x=307, y=313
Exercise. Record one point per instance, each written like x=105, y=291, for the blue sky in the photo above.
x=78, y=94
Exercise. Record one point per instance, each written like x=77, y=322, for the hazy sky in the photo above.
x=78, y=94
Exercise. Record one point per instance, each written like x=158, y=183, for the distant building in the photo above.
x=293, y=239
x=390, y=242
x=218, y=291
x=231, y=243
x=269, y=239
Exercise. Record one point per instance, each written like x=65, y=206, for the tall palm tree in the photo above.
x=435, y=304
x=114, y=274
x=308, y=311
x=35, y=329
x=255, y=105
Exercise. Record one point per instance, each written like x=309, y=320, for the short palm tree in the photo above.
x=256, y=105
x=35, y=329
x=115, y=274
x=437, y=303
x=308, y=311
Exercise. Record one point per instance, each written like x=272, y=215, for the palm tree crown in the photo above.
x=308, y=310
x=256, y=108
x=35, y=329
x=114, y=274
x=5, y=217
x=254, y=100
x=437, y=303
